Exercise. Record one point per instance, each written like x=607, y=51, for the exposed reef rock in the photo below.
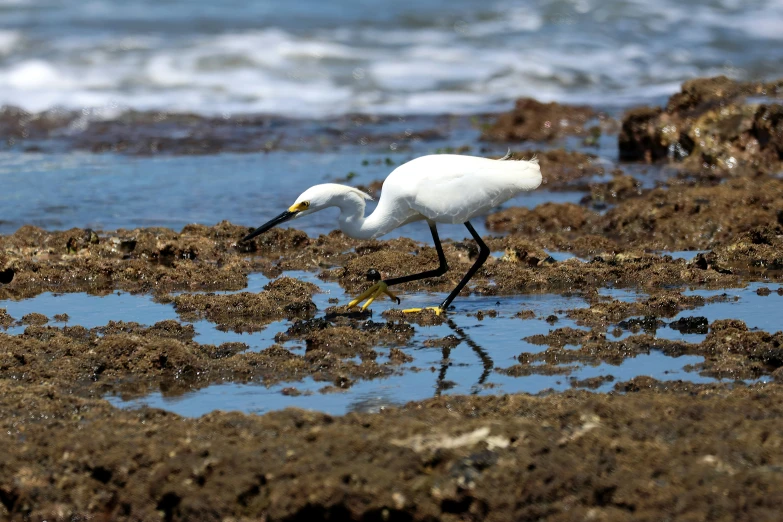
x=713, y=125
x=531, y=120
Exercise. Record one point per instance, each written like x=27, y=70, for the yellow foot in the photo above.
x=371, y=293
x=437, y=309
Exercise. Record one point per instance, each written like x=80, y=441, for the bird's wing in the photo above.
x=454, y=189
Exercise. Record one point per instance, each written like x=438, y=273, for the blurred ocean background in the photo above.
x=313, y=58
x=320, y=62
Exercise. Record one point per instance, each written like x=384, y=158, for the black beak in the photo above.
x=282, y=218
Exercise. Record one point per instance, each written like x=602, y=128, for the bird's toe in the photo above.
x=372, y=293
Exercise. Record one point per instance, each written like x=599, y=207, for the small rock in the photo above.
x=647, y=323
x=687, y=325
x=450, y=341
x=397, y=356
x=35, y=319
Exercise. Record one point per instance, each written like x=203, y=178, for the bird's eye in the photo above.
x=306, y=204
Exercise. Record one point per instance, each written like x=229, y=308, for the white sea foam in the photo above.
x=32, y=75
x=609, y=53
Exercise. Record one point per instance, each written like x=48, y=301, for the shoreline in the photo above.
x=616, y=265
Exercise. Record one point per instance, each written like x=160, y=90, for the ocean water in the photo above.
x=312, y=58
x=111, y=191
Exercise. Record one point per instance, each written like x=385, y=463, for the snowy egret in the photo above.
x=440, y=188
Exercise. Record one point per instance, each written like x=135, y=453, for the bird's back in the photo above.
x=450, y=188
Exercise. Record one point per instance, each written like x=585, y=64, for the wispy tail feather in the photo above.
x=508, y=155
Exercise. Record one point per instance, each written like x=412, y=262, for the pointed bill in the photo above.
x=282, y=218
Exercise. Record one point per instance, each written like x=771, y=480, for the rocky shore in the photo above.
x=646, y=450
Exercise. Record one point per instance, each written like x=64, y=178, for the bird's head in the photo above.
x=317, y=197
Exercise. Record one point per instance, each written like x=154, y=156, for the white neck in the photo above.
x=355, y=225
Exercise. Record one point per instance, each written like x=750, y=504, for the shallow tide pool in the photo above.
x=487, y=344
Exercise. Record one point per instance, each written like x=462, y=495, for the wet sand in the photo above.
x=632, y=449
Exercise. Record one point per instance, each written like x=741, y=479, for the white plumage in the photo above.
x=441, y=188
x=453, y=189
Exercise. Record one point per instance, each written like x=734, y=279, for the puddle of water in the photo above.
x=363, y=396
x=503, y=333
x=206, y=333
x=90, y=310
x=486, y=344
x=654, y=364
x=374, y=395
x=745, y=304
x=557, y=256
x=625, y=295
x=563, y=256
x=756, y=311
x=467, y=368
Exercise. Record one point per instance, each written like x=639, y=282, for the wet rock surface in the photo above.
x=131, y=360
x=5, y=319
x=563, y=167
x=619, y=188
x=630, y=449
x=514, y=457
x=441, y=458
x=663, y=304
x=284, y=297
x=139, y=133
x=531, y=120
x=711, y=127
x=214, y=261
x=680, y=217
x=155, y=260
x=730, y=351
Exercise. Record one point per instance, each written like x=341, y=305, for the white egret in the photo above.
x=440, y=188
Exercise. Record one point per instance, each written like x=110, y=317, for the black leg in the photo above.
x=441, y=384
x=486, y=360
x=442, y=269
x=482, y=256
